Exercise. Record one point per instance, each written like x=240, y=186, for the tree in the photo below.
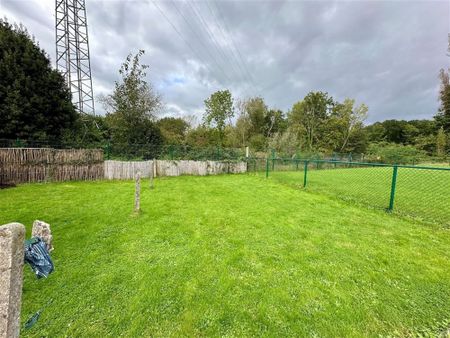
x=131, y=112
x=375, y=132
x=426, y=143
x=424, y=127
x=345, y=121
x=200, y=137
x=253, y=122
x=219, y=110
x=35, y=102
x=357, y=142
x=256, y=110
x=395, y=131
x=88, y=131
x=275, y=122
x=443, y=116
x=311, y=114
x=243, y=125
x=400, y=131
x=173, y=129
x=284, y=143
x=441, y=142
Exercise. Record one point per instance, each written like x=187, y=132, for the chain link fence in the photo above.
x=417, y=191
x=147, y=151
x=139, y=151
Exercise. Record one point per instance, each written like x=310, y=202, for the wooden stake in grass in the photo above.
x=151, y=180
x=152, y=173
x=137, y=193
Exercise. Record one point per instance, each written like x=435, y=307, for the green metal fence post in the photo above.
x=393, y=186
x=108, y=150
x=218, y=153
x=305, y=174
x=273, y=159
x=267, y=167
x=19, y=143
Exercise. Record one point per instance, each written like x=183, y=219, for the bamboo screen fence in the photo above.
x=20, y=165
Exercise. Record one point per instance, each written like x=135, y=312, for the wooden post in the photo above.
x=12, y=237
x=152, y=174
x=137, y=193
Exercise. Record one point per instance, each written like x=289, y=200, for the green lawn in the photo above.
x=229, y=256
x=423, y=194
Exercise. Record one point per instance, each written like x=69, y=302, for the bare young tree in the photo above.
x=132, y=109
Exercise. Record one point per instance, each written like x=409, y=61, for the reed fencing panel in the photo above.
x=25, y=165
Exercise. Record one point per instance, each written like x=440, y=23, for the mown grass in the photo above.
x=229, y=256
x=420, y=193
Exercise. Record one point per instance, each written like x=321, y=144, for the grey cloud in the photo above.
x=386, y=54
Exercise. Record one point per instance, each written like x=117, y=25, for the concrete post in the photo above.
x=12, y=238
x=42, y=230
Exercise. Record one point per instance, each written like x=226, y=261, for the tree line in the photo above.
x=35, y=105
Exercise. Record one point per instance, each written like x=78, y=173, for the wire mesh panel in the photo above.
x=354, y=182
x=420, y=192
x=286, y=171
x=423, y=193
x=256, y=165
x=278, y=165
x=349, y=181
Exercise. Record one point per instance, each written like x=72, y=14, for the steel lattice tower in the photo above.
x=72, y=52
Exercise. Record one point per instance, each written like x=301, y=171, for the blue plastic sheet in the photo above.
x=38, y=257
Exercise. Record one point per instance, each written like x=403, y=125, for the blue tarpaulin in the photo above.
x=37, y=255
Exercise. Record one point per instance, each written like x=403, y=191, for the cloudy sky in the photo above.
x=386, y=54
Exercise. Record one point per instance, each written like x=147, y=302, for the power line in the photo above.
x=200, y=39
x=274, y=84
x=233, y=47
x=213, y=39
x=233, y=43
x=181, y=36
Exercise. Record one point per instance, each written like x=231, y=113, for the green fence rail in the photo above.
x=418, y=191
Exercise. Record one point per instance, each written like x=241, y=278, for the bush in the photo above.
x=394, y=153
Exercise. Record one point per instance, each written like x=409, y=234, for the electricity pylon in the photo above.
x=72, y=52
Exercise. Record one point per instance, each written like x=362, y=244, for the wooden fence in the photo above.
x=127, y=170
x=20, y=165
x=23, y=165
